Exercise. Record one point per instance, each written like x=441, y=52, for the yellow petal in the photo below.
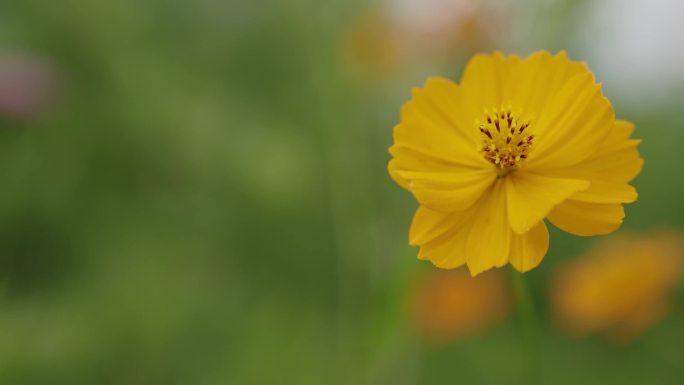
x=489, y=237
x=442, y=236
x=530, y=197
x=425, y=136
x=582, y=218
x=412, y=159
x=621, y=165
x=449, y=191
x=448, y=250
x=448, y=99
x=616, y=160
x=437, y=133
x=622, y=129
x=429, y=224
x=572, y=126
x=607, y=192
x=392, y=167
x=438, y=121
x=609, y=169
x=532, y=83
x=484, y=77
x=528, y=250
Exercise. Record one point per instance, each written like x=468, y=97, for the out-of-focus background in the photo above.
x=195, y=192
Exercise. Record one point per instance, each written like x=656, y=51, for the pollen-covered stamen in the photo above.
x=506, y=139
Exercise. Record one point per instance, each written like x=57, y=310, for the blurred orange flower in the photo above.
x=398, y=34
x=449, y=305
x=436, y=28
x=371, y=46
x=619, y=288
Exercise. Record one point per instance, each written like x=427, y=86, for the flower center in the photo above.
x=506, y=140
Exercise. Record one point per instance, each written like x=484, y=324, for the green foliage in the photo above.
x=207, y=202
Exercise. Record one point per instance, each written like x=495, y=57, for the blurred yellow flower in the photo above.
x=448, y=305
x=620, y=288
x=371, y=46
x=517, y=141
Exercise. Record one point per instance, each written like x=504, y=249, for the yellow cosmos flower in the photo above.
x=449, y=305
x=517, y=141
x=620, y=287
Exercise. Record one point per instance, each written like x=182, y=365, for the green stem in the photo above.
x=528, y=322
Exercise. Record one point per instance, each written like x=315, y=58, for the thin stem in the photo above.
x=528, y=322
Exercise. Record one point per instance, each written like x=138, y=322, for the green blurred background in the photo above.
x=203, y=196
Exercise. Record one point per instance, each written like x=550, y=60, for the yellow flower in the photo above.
x=620, y=288
x=448, y=305
x=517, y=141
